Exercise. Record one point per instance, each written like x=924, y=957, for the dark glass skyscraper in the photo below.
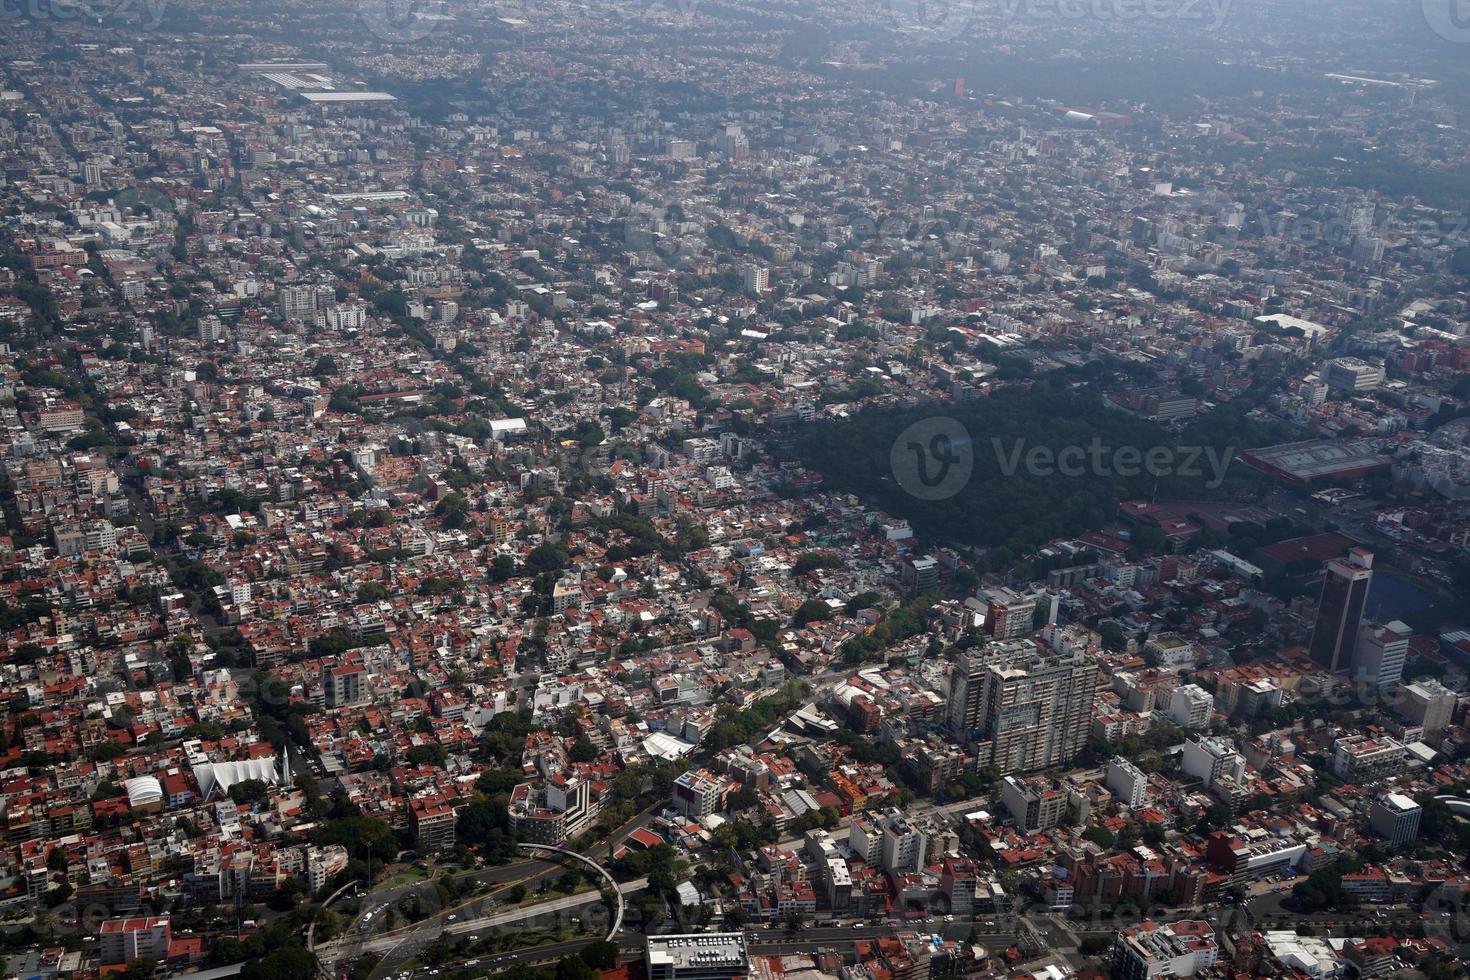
x=1340, y=611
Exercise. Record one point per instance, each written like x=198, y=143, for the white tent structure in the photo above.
x=143, y=791
x=222, y=775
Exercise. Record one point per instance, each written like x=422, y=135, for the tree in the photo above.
x=547, y=557
x=502, y=567
x=286, y=963
x=574, y=967
x=359, y=834
x=1114, y=640
x=809, y=561
x=248, y=790
x=600, y=955
x=372, y=592
x=141, y=968
x=811, y=611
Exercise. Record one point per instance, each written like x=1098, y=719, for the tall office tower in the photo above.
x=1033, y=708
x=1378, y=657
x=1340, y=611
x=1395, y=818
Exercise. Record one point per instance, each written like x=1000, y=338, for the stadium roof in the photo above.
x=1303, y=462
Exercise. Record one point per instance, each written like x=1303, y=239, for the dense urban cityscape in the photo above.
x=698, y=490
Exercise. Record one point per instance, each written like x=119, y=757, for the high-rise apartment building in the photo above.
x=298, y=301
x=888, y=840
x=966, y=702
x=121, y=941
x=757, y=279
x=1340, y=610
x=1153, y=950
x=1380, y=653
x=1008, y=614
x=344, y=684
x=1127, y=782
x=1022, y=709
x=1212, y=759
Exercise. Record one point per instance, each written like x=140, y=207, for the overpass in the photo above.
x=617, y=924
x=401, y=944
x=1458, y=806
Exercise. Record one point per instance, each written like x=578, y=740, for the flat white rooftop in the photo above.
x=348, y=97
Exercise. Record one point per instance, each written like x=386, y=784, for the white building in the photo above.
x=1380, y=653
x=1358, y=758
x=1395, y=818
x=1190, y=706
x=1352, y=375
x=1429, y=704
x=1127, y=782
x=1151, y=949
x=1211, y=759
